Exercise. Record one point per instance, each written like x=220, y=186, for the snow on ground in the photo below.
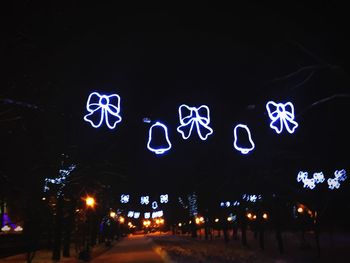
x=184, y=249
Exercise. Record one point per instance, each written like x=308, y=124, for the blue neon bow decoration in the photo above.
x=192, y=116
x=103, y=107
x=281, y=115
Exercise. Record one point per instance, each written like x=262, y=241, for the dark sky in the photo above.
x=233, y=59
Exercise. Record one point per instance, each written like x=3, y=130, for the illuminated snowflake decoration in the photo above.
x=281, y=115
x=241, y=148
x=339, y=176
x=154, y=205
x=103, y=108
x=144, y=200
x=147, y=215
x=124, y=199
x=164, y=148
x=164, y=199
x=192, y=116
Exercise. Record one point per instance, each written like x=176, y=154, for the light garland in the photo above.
x=281, y=114
x=103, y=108
x=190, y=117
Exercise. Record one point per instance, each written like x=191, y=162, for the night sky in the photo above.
x=233, y=59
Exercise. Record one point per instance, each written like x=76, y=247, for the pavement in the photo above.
x=132, y=249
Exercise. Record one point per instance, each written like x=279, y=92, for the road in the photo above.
x=134, y=249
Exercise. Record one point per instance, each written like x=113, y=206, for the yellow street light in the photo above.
x=90, y=201
x=300, y=210
x=179, y=224
x=216, y=220
x=249, y=215
x=121, y=220
x=265, y=215
x=112, y=214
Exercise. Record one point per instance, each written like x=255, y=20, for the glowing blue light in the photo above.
x=281, y=115
x=164, y=198
x=124, y=199
x=136, y=215
x=103, y=108
x=147, y=215
x=339, y=176
x=319, y=177
x=131, y=214
x=308, y=182
x=243, y=150
x=162, y=150
x=227, y=204
x=154, y=205
x=190, y=116
x=145, y=200
x=157, y=214
x=222, y=204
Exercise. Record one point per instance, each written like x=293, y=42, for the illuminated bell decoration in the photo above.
x=244, y=149
x=281, y=115
x=154, y=205
x=103, y=108
x=161, y=131
x=194, y=117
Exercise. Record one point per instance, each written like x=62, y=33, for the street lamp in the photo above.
x=90, y=203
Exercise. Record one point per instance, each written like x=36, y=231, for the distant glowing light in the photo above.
x=227, y=204
x=6, y=228
x=300, y=210
x=147, y=215
x=130, y=214
x=136, y=215
x=112, y=214
x=18, y=229
x=90, y=201
x=121, y=220
x=154, y=205
x=157, y=214
x=339, y=176
x=179, y=224
x=281, y=115
x=190, y=117
x=243, y=150
x=164, y=198
x=145, y=200
x=103, y=108
x=161, y=149
x=319, y=177
x=124, y=198
x=264, y=215
x=216, y=220
x=222, y=204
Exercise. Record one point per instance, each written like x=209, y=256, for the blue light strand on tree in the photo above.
x=103, y=108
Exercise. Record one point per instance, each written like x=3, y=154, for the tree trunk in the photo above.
x=56, y=253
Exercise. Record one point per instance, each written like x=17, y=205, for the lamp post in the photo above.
x=90, y=204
